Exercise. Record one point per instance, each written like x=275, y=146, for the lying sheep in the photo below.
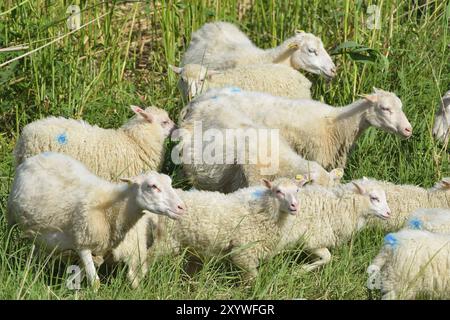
x=404, y=199
x=315, y=130
x=331, y=216
x=135, y=147
x=223, y=150
x=245, y=225
x=430, y=219
x=278, y=80
x=60, y=204
x=412, y=263
x=221, y=45
x=442, y=119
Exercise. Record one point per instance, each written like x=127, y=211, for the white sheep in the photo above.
x=61, y=205
x=404, y=199
x=412, y=263
x=135, y=147
x=430, y=219
x=328, y=217
x=245, y=225
x=331, y=216
x=315, y=130
x=442, y=119
x=226, y=151
x=221, y=45
x=276, y=79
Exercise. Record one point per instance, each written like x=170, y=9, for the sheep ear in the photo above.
x=301, y=180
x=370, y=97
x=446, y=182
x=293, y=46
x=177, y=70
x=267, y=183
x=146, y=115
x=127, y=180
x=211, y=73
x=337, y=174
x=359, y=188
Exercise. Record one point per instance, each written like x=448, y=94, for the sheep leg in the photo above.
x=324, y=256
x=249, y=265
x=89, y=267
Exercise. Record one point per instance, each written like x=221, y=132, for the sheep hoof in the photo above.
x=95, y=285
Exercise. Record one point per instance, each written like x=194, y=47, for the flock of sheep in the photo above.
x=69, y=194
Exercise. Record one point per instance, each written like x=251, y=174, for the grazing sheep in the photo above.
x=135, y=147
x=430, y=219
x=330, y=216
x=315, y=130
x=278, y=80
x=60, y=204
x=412, y=263
x=240, y=152
x=442, y=119
x=404, y=199
x=221, y=45
x=245, y=225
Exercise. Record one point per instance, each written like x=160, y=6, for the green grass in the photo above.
x=122, y=59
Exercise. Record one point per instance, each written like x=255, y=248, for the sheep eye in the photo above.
x=385, y=109
x=313, y=51
x=165, y=122
x=154, y=187
x=375, y=199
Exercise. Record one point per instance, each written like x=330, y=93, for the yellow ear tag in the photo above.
x=299, y=177
x=293, y=46
x=339, y=173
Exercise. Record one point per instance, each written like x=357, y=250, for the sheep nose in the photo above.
x=407, y=131
x=333, y=72
x=293, y=207
x=181, y=209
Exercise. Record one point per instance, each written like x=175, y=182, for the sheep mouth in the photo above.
x=384, y=217
x=293, y=212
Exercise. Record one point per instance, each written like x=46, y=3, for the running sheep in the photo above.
x=442, y=119
x=57, y=202
x=135, y=147
x=412, y=264
x=317, y=131
x=331, y=216
x=221, y=45
x=223, y=150
x=405, y=199
x=278, y=80
x=245, y=225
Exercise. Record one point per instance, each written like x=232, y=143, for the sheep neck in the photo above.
x=145, y=141
x=280, y=55
x=121, y=211
x=344, y=129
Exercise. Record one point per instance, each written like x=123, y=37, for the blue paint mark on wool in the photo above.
x=391, y=240
x=215, y=97
x=62, y=138
x=235, y=89
x=415, y=224
x=258, y=193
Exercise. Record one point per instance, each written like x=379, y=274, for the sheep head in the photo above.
x=193, y=77
x=285, y=192
x=442, y=119
x=385, y=112
x=310, y=55
x=156, y=116
x=154, y=193
x=375, y=196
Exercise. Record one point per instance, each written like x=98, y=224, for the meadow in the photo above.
x=121, y=57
